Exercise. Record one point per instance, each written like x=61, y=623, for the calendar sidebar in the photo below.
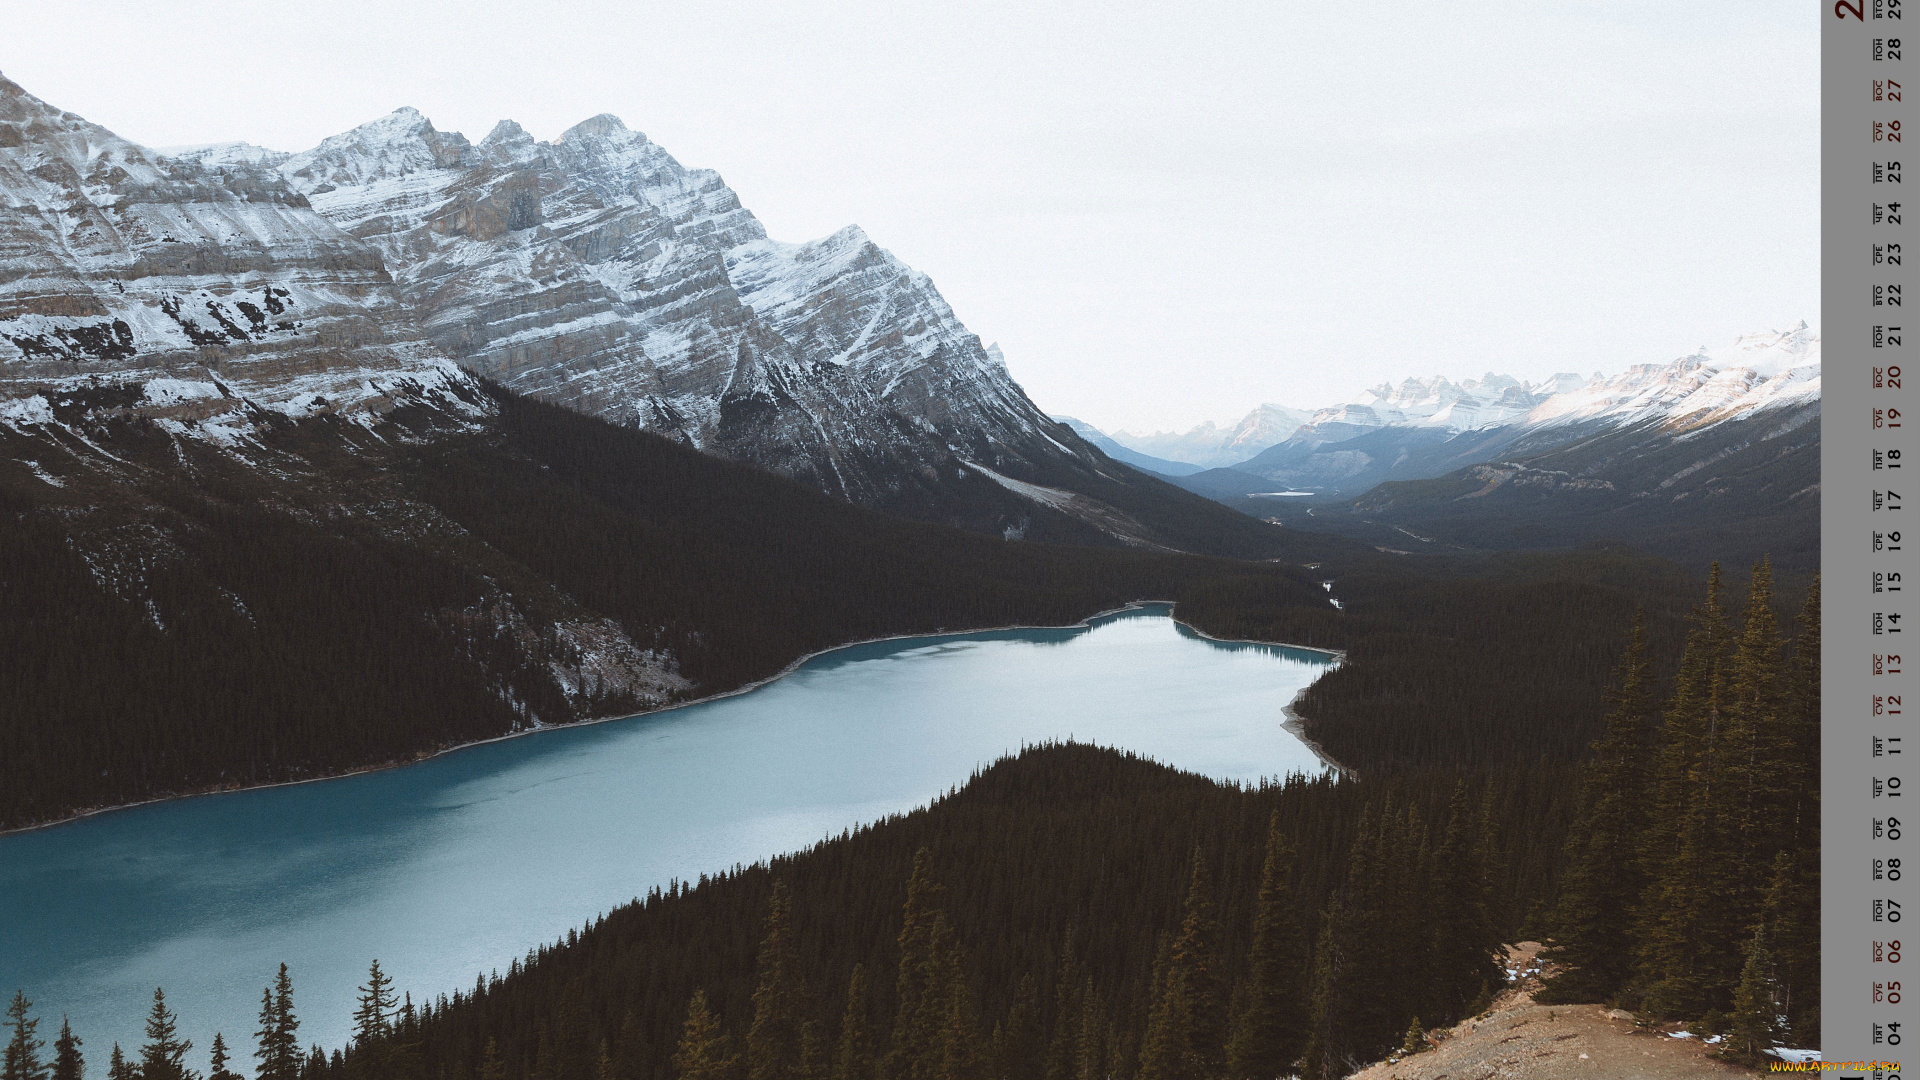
x=1867, y=474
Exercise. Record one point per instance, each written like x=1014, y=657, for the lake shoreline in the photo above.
x=1291, y=724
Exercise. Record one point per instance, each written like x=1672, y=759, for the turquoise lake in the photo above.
x=457, y=865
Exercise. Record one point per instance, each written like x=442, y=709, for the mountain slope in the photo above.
x=597, y=272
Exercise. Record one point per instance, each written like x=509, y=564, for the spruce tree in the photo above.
x=1758, y=748
x=67, y=1062
x=1801, y=780
x=163, y=1056
x=118, y=1068
x=1791, y=918
x=853, y=1057
x=277, y=1044
x=779, y=999
x=1322, y=1060
x=1465, y=940
x=1063, y=1044
x=492, y=1067
x=372, y=1019
x=921, y=1009
x=219, y=1055
x=1755, y=1000
x=702, y=1053
x=1187, y=1026
x=1683, y=921
x=1020, y=1042
x=1601, y=885
x=959, y=1056
x=1092, y=1060
x=1270, y=1026
x=22, y=1060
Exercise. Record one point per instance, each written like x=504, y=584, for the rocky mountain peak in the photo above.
x=605, y=125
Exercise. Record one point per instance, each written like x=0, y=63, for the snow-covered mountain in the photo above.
x=1211, y=446
x=1427, y=427
x=204, y=299
x=1440, y=404
x=597, y=272
x=224, y=289
x=1758, y=371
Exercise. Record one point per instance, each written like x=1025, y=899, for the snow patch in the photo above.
x=27, y=410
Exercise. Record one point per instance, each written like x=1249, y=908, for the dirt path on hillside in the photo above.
x=1520, y=1039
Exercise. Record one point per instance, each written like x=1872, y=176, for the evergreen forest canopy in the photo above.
x=1078, y=912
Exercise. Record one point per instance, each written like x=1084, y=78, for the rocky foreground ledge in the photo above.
x=1518, y=1038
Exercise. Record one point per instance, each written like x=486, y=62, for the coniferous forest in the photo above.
x=1079, y=912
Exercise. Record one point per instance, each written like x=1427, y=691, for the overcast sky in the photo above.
x=1164, y=213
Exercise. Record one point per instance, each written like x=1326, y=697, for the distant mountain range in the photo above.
x=1717, y=451
x=1758, y=371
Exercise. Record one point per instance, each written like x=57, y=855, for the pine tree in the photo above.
x=1683, y=920
x=1602, y=881
x=779, y=999
x=702, y=1053
x=1091, y=1062
x=278, y=1047
x=1758, y=737
x=1270, y=1026
x=1063, y=1044
x=1322, y=1060
x=491, y=1065
x=163, y=1056
x=22, y=1060
x=1416, y=1039
x=1019, y=1042
x=373, y=1024
x=372, y=1020
x=117, y=1066
x=67, y=1062
x=920, y=1017
x=853, y=1057
x=1186, y=1028
x=959, y=1039
x=1464, y=941
x=1791, y=919
x=1801, y=777
x=219, y=1071
x=1755, y=1002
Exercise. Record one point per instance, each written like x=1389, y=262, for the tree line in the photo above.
x=1692, y=875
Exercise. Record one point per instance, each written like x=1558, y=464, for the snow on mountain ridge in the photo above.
x=598, y=272
x=121, y=268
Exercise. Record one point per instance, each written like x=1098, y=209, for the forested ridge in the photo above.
x=1079, y=912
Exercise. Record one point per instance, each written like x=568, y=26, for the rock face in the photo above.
x=200, y=297
x=597, y=272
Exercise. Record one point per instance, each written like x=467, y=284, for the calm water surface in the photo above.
x=457, y=865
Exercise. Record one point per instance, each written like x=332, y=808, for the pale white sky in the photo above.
x=1163, y=212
